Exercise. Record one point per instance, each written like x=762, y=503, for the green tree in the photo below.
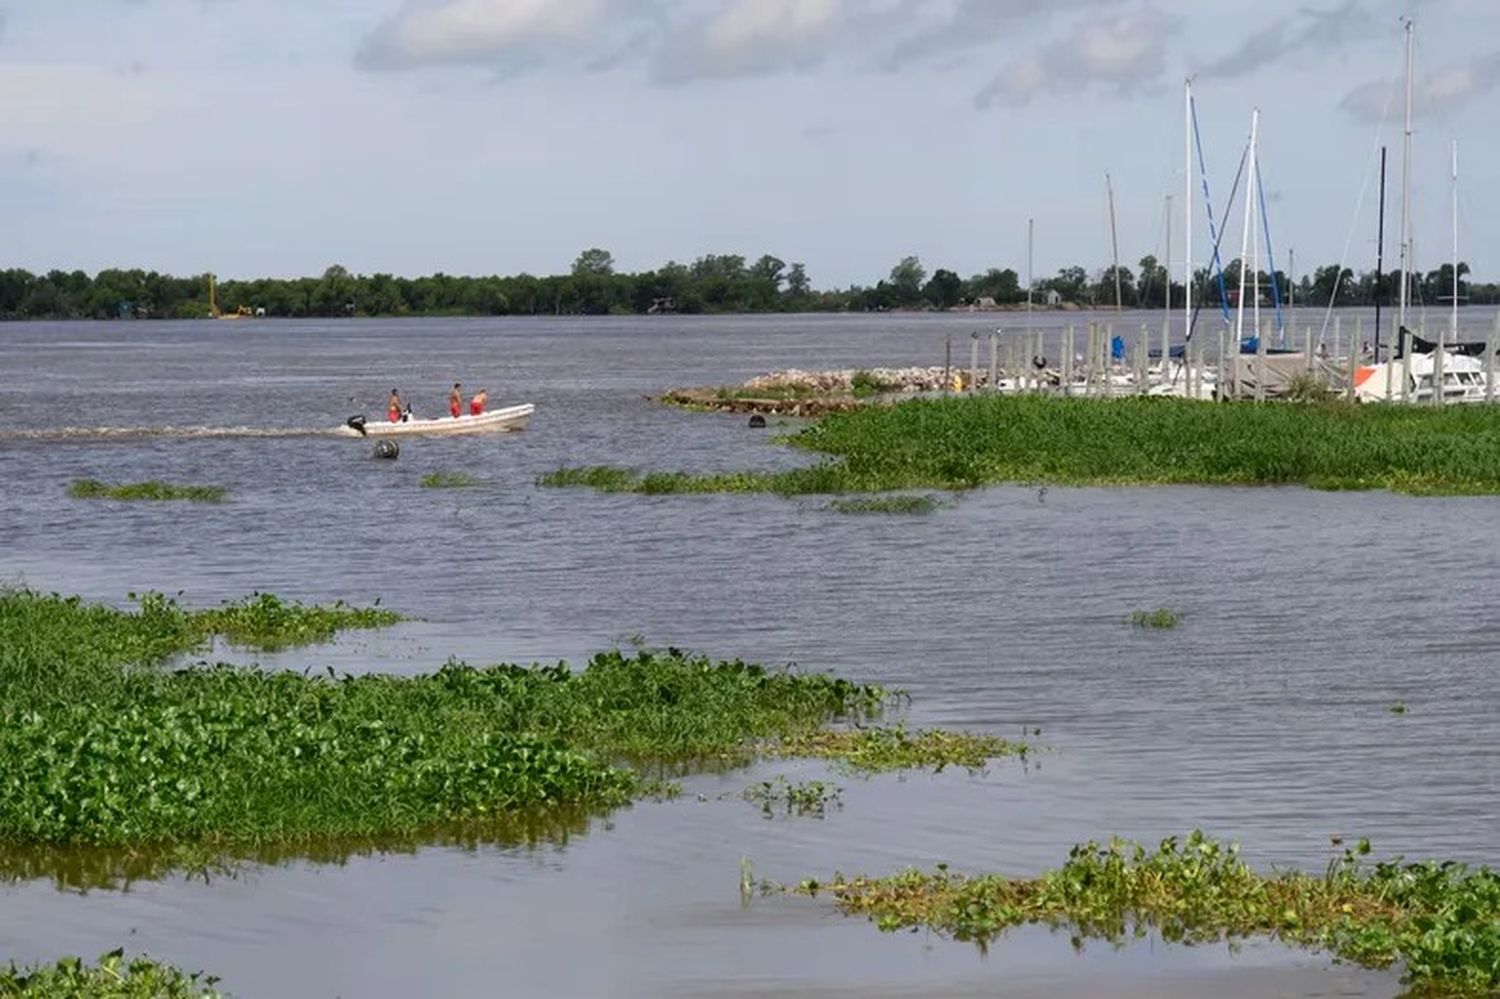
x=594, y=261
x=945, y=290
x=907, y=278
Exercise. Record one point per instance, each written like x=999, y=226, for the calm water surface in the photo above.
x=1263, y=717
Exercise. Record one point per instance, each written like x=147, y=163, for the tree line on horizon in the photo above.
x=711, y=284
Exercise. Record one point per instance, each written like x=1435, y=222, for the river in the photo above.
x=1264, y=717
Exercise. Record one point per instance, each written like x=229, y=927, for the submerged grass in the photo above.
x=112, y=976
x=448, y=480
x=872, y=750
x=960, y=443
x=149, y=490
x=886, y=504
x=812, y=797
x=1439, y=921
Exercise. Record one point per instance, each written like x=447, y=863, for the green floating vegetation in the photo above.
x=965, y=442
x=886, y=504
x=104, y=748
x=448, y=480
x=600, y=477
x=111, y=976
x=1161, y=619
x=1439, y=921
x=872, y=750
x=1398, y=708
x=812, y=797
x=152, y=489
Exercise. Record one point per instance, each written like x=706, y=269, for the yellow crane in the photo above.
x=213, y=303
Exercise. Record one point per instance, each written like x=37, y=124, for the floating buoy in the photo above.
x=387, y=449
x=757, y=422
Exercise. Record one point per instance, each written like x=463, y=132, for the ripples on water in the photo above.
x=1262, y=717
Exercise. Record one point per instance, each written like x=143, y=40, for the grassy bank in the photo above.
x=112, y=976
x=448, y=480
x=152, y=489
x=105, y=748
x=1439, y=922
x=960, y=443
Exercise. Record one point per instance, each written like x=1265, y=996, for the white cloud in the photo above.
x=490, y=33
x=974, y=23
x=1436, y=94
x=1124, y=54
x=751, y=37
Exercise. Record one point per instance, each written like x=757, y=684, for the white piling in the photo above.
x=1260, y=361
x=1438, y=393
x=1405, y=365
x=994, y=360
x=1355, y=340
x=973, y=385
x=1489, y=360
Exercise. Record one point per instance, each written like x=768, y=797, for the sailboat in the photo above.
x=1424, y=371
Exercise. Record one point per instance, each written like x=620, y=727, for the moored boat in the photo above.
x=495, y=421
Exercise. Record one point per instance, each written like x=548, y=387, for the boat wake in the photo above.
x=130, y=433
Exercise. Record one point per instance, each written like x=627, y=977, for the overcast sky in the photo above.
x=276, y=137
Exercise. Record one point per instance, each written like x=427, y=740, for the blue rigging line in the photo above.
x=1212, y=229
x=1270, y=256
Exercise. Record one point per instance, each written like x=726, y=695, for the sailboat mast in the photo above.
x=1030, y=245
x=1166, y=267
x=1239, y=320
x=1406, y=248
x=1453, y=322
x=1187, y=213
x=1380, y=257
x=1114, y=240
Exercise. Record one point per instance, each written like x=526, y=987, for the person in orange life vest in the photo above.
x=393, y=408
x=456, y=400
x=476, y=405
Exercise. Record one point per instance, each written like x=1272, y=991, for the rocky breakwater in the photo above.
x=795, y=392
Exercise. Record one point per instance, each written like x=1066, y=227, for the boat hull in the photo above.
x=494, y=422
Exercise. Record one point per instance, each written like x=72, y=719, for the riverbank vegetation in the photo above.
x=908, y=505
x=965, y=442
x=150, y=490
x=104, y=747
x=1439, y=921
x=710, y=284
x=111, y=977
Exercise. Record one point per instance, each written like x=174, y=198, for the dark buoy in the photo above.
x=757, y=422
x=387, y=449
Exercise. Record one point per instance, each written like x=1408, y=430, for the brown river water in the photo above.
x=1262, y=717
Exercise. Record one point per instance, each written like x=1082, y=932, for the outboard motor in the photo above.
x=387, y=450
x=357, y=423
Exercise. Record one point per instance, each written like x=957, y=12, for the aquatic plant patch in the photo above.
x=112, y=976
x=873, y=750
x=1439, y=921
x=781, y=796
x=1161, y=619
x=910, y=505
x=150, y=490
x=964, y=442
x=54, y=647
x=448, y=480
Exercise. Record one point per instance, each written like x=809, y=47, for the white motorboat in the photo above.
x=495, y=421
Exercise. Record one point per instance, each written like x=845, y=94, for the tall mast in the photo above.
x=1114, y=240
x=1380, y=257
x=1187, y=211
x=1166, y=266
x=1406, y=248
x=1030, y=244
x=1239, y=321
x=1453, y=322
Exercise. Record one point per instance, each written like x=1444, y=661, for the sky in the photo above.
x=277, y=137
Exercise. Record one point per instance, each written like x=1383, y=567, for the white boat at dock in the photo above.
x=495, y=421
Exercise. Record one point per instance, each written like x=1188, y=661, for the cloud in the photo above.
x=755, y=37
x=500, y=34
x=974, y=23
x=1125, y=54
x=1316, y=30
x=2, y=25
x=1436, y=94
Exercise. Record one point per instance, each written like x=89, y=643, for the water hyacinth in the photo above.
x=1439, y=921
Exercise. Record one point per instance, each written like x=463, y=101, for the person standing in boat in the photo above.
x=393, y=407
x=456, y=400
x=476, y=404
